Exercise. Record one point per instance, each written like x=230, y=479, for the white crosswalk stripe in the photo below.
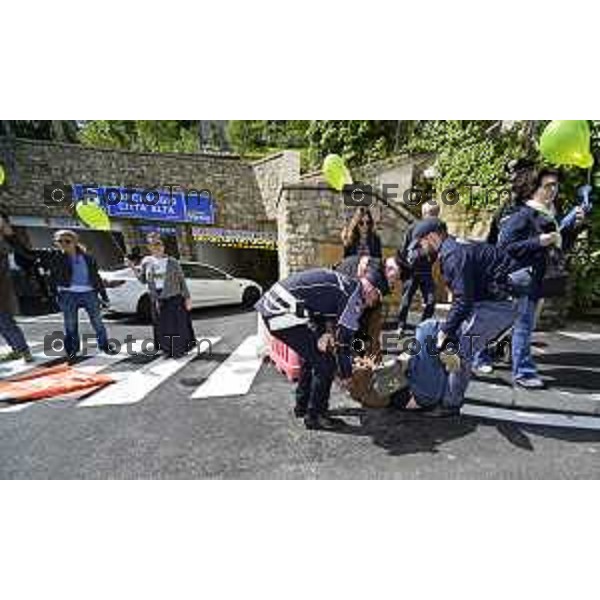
x=134, y=387
x=235, y=376
x=95, y=364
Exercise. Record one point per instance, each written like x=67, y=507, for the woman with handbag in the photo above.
x=535, y=239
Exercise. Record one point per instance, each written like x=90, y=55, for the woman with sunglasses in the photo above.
x=169, y=298
x=73, y=273
x=359, y=237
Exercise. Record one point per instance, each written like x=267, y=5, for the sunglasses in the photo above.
x=64, y=242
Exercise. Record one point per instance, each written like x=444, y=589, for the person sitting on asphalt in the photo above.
x=416, y=273
x=479, y=277
x=314, y=312
x=532, y=235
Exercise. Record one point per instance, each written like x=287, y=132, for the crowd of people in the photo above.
x=76, y=283
x=333, y=318
x=495, y=287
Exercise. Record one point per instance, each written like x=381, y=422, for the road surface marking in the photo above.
x=582, y=336
x=235, y=376
x=532, y=418
x=94, y=364
x=135, y=386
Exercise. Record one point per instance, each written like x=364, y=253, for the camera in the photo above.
x=358, y=194
x=58, y=194
x=54, y=344
x=361, y=345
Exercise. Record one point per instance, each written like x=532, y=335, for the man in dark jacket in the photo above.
x=416, y=270
x=74, y=275
x=530, y=235
x=316, y=313
x=9, y=329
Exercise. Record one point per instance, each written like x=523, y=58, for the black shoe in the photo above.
x=322, y=422
x=300, y=411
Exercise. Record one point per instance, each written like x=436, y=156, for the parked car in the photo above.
x=208, y=286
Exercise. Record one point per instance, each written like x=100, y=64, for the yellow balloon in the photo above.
x=2, y=174
x=93, y=215
x=335, y=172
x=567, y=143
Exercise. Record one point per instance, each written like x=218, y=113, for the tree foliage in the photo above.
x=141, y=136
x=259, y=138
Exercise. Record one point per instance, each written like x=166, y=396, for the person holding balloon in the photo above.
x=77, y=284
x=535, y=238
x=170, y=299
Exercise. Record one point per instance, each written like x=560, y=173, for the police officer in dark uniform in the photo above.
x=316, y=313
x=479, y=277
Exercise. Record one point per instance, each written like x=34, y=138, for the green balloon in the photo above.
x=335, y=172
x=567, y=143
x=93, y=215
x=2, y=174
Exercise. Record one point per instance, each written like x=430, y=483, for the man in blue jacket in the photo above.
x=530, y=236
x=314, y=312
x=478, y=275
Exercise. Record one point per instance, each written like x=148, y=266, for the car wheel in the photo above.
x=250, y=297
x=144, y=309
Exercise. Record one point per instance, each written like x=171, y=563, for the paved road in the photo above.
x=168, y=420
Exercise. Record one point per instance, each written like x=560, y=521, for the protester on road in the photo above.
x=9, y=329
x=170, y=299
x=316, y=313
x=359, y=236
x=535, y=238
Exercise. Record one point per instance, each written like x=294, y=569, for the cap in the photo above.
x=427, y=226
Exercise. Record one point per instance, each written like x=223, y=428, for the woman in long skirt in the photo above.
x=170, y=299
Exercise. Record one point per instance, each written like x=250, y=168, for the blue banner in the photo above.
x=156, y=205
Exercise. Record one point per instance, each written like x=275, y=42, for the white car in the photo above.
x=208, y=286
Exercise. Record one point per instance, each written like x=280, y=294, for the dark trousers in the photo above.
x=70, y=303
x=318, y=369
x=12, y=333
x=424, y=282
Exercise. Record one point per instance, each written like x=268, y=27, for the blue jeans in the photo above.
x=70, y=303
x=523, y=366
x=10, y=331
x=430, y=383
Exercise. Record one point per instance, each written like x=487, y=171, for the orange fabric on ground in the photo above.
x=49, y=383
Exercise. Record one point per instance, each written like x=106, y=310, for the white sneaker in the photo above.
x=483, y=370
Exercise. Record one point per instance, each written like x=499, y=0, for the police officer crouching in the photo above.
x=316, y=313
